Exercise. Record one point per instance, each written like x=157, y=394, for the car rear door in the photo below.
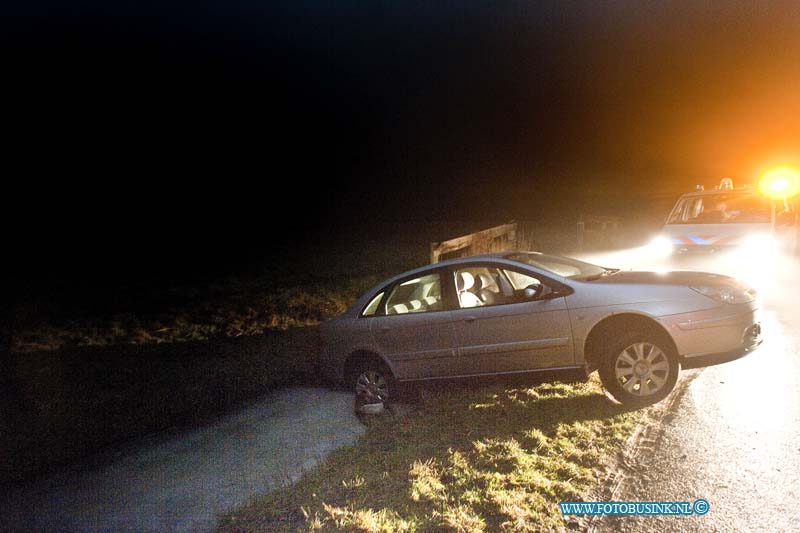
x=512, y=334
x=415, y=329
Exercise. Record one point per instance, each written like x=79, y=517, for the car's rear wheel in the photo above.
x=640, y=369
x=373, y=385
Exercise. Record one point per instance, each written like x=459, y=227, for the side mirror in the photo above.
x=545, y=292
x=556, y=294
x=532, y=292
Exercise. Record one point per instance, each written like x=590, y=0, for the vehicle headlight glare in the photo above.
x=760, y=244
x=728, y=294
x=660, y=247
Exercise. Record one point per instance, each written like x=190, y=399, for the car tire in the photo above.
x=640, y=368
x=373, y=384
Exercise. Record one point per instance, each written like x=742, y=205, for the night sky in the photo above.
x=157, y=136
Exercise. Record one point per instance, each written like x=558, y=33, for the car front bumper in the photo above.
x=700, y=361
x=723, y=333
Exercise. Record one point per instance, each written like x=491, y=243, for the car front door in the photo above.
x=500, y=329
x=415, y=330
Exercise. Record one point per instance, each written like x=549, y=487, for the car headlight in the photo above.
x=660, y=247
x=728, y=294
x=760, y=244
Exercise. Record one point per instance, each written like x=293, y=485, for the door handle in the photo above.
x=470, y=318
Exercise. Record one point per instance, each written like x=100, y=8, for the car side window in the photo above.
x=418, y=295
x=478, y=286
x=524, y=283
x=520, y=281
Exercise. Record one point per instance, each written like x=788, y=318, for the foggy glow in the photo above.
x=780, y=182
x=760, y=244
x=660, y=247
x=639, y=258
x=755, y=262
x=758, y=262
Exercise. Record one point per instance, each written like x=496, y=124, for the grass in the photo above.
x=237, y=307
x=302, y=286
x=471, y=459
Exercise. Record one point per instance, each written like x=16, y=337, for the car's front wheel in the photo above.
x=374, y=386
x=640, y=369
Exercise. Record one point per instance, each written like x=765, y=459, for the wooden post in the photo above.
x=435, y=252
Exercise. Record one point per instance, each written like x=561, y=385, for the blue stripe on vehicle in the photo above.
x=697, y=240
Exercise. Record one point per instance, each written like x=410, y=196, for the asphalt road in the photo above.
x=182, y=482
x=732, y=437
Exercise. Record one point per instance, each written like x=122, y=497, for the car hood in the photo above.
x=677, y=278
x=631, y=288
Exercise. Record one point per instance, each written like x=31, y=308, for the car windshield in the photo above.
x=730, y=208
x=561, y=266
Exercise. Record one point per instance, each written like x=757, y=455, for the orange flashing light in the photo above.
x=780, y=182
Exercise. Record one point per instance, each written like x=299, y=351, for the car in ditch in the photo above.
x=524, y=313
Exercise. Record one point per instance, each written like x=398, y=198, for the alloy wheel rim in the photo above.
x=372, y=387
x=642, y=369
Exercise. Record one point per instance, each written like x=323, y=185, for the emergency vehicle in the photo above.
x=729, y=218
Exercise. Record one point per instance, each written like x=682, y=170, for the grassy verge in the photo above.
x=231, y=309
x=490, y=458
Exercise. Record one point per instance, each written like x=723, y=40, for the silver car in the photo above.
x=526, y=312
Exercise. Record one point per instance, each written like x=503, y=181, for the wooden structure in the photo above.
x=496, y=239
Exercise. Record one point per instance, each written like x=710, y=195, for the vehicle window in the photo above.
x=722, y=209
x=521, y=281
x=481, y=285
x=372, y=306
x=560, y=266
x=416, y=295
